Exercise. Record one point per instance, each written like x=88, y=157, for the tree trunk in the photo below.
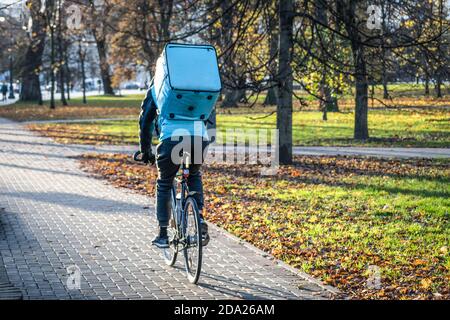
x=438, y=86
x=271, y=97
x=427, y=84
x=99, y=31
x=83, y=75
x=327, y=103
x=62, y=86
x=285, y=80
x=347, y=13
x=385, y=90
x=383, y=52
x=324, y=114
x=68, y=80
x=440, y=48
x=31, y=87
x=52, y=66
x=361, y=99
x=232, y=95
x=82, y=56
x=385, y=85
x=272, y=93
x=104, y=66
x=166, y=9
x=232, y=98
x=61, y=56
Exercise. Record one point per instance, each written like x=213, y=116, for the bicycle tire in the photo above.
x=194, y=241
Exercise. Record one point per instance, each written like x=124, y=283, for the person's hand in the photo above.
x=145, y=157
x=148, y=158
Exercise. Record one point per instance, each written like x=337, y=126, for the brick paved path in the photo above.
x=55, y=216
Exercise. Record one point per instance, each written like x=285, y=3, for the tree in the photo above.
x=272, y=29
x=327, y=102
x=441, y=48
x=50, y=15
x=232, y=95
x=61, y=52
x=32, y=63
x=82, y=58
x=100, y=13
x=236, y=29
x=346, y=10
x=142, y=30
x=285, y=80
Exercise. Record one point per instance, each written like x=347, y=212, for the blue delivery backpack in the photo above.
x=187, y=82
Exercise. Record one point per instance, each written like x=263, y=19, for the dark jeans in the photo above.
x=168, y=163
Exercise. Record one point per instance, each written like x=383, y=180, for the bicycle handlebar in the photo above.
x=138, y=156
x=144, y=158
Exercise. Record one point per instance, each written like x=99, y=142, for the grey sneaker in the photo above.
x=161, y=242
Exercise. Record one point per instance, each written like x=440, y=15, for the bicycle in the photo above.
x=184, y=226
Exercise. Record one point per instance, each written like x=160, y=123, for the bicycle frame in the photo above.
x=183, y=206
x=179, y=202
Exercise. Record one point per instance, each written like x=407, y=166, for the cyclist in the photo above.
x=174, y=136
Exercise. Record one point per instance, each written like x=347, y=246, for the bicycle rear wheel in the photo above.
x=193, y=237
x=170, y=254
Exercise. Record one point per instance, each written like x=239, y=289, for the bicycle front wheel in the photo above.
x=193, y=240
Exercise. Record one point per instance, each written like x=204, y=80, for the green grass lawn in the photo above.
x=332, y=217
x=419, y=126
x=387, y=128
x=97, y=107
x=395, y=90
x=403, y=95
x=400, y=128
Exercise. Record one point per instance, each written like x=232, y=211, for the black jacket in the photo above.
x=147, y=121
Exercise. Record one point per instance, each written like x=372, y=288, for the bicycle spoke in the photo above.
x=193, y=248
x=170, y=254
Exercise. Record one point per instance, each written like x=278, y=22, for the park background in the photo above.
x=324, y=73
